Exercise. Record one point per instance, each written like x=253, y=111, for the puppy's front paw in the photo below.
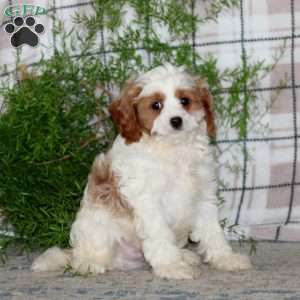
x=179, y=270
x=232, y=262
x=190, y=257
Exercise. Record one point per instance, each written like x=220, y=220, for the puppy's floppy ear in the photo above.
x=207, y=104
x=123, y=113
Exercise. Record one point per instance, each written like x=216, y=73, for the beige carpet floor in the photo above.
x=276, y=275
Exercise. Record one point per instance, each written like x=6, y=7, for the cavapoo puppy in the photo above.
x=155, y=189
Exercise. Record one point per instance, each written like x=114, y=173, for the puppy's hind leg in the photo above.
x=94, y=242
x=94, y=232
x=88, y=260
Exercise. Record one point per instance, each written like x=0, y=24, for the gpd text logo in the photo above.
x=24, y=10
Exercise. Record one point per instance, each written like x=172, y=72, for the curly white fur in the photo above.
x=168, y=180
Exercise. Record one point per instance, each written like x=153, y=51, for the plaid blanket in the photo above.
x=262, y=197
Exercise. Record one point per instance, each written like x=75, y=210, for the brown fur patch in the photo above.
x=207, y=101
x=103, y=188
x=146, y=114
x=200, y=98
x=191, y=94
x=123, y=112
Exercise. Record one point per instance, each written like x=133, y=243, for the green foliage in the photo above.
x=47, y=142
x=46, y=150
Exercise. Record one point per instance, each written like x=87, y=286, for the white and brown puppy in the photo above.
x=156, y=187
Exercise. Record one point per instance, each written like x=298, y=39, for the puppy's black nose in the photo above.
x=176, y=122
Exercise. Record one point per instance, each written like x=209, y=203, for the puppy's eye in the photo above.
x=156, y=105
x=185, y=101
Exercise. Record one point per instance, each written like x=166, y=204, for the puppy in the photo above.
x=155, y=189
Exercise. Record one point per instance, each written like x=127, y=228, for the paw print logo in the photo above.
x=24, y=31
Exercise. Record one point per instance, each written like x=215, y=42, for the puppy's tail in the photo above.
x=52, y=259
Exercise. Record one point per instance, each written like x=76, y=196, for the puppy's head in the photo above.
x=163, y=101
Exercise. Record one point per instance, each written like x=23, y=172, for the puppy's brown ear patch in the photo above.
x=124, y=114
x=207, y=104
x=207, y=101
x=103, y=187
